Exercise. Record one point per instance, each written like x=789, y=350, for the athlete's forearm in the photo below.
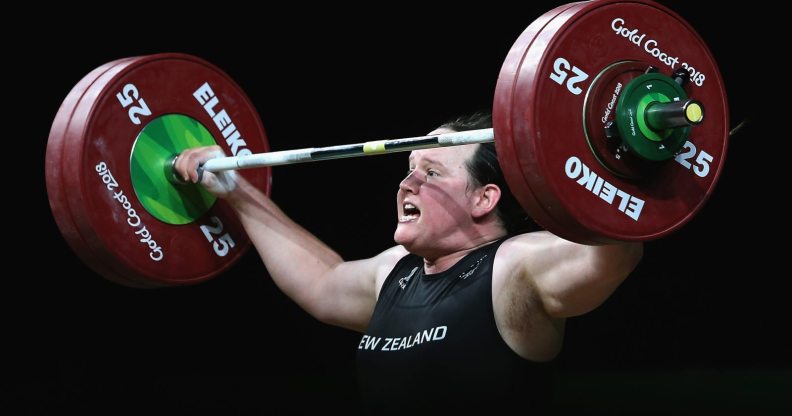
x=294, y=257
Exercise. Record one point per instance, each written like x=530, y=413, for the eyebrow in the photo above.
x=429, y=161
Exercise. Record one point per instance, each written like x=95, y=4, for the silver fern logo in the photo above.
x=404, y=280
x=472, y=269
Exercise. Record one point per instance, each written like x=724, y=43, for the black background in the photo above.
x=699, y=324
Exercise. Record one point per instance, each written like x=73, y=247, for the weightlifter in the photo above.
x=469, y=306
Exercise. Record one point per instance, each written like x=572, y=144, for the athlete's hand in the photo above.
x=219, y=184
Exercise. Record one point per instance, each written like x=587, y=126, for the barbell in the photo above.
x=609, y=118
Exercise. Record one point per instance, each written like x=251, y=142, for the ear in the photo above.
x=486, y=200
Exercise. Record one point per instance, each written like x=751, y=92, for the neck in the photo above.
x=441, y=263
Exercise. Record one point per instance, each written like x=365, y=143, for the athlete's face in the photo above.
x=434, y=200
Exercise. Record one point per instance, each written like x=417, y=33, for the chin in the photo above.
x=399, y=237
x=403, y=238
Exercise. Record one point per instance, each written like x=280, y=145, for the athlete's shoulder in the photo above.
x=392, y=256
x=519, y=249
x=528, y=241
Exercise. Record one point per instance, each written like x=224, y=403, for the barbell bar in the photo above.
x=659, y=116
x=313, y=154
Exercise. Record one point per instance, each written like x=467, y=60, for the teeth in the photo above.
x=413, y=214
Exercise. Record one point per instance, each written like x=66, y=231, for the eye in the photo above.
x=432, y=172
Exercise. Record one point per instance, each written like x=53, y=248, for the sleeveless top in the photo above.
x=432, y=343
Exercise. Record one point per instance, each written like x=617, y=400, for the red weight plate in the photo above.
x=508, y=153
x=114, y=226
x=586, y=201
x=56, y=192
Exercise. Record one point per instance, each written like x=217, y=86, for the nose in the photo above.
x=411, y=183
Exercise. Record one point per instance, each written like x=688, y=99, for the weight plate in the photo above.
x=107, y=180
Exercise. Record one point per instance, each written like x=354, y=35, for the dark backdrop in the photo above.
x=699, y=324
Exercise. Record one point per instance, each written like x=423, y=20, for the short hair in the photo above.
x=483, y=168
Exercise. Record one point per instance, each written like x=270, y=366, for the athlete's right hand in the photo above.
x=219, y=184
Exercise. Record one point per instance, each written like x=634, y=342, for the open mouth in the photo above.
x=411, y=212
